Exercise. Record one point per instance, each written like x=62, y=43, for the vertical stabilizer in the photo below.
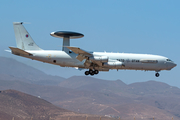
x=23, y=38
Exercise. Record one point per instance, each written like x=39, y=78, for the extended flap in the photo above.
x=79, y=51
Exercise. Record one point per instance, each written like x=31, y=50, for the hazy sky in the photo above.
x=129, y=26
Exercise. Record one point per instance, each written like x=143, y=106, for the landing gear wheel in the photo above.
x=96, y=71
x=86, y=73
x=157, y=74
x=92, y=73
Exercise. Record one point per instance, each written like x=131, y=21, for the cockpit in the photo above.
x=169, y=60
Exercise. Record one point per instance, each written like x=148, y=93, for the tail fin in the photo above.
x=23, y=39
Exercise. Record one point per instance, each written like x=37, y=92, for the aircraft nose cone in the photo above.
x=173, y=65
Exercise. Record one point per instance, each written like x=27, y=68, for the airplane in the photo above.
x=80, y=59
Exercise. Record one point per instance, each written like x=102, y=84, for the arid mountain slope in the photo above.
x=152, y=95
x=21, y=106
x=95, y=96
x=13, y=70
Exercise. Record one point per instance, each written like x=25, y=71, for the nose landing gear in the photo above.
x=157, y=74
x=91, y=72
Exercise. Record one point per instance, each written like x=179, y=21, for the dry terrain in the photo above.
x=88, y=95
x=21, y=106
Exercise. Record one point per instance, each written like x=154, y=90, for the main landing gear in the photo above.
x=91, y=72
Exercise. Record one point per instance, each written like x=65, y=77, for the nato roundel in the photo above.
x=71, y=35
x=27, y=35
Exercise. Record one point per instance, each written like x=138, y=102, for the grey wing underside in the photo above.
x=82, y=54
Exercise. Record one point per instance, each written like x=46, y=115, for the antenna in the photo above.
x=66, y=35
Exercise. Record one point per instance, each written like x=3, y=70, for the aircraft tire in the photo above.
x=157, y=74
x=86, y=73
x=90, y=71
x=96, y=71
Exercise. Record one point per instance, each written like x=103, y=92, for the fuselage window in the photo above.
x=122, y=60
x=133, y=60
x=137, y=60
x=149, y=61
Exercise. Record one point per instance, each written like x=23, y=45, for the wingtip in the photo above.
x=17, y=23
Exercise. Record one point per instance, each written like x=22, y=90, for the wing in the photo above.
x=101, y=63
x=82, y=54
x=90, y=58
x=79, y=51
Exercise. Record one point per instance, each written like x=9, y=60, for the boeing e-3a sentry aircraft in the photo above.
x=81, y=59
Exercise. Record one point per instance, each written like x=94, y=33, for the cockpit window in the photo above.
x=168, y=60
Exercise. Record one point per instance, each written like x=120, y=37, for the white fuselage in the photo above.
x=130, y=61
x=81, y=59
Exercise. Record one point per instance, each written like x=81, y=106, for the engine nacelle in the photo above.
x=99, y=58
x=116, y=64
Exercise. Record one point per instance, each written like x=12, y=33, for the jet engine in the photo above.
x=99, y=58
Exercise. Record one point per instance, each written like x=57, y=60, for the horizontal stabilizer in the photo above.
x=8, y=51
x=20, y=52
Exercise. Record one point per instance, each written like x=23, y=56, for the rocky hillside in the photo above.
x=81, y=94
x=13, y=70
x=21, y=106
